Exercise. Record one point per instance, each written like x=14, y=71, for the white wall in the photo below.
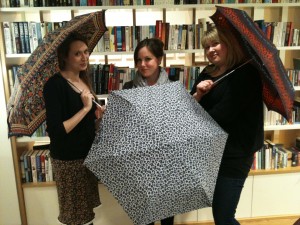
x=9, y=208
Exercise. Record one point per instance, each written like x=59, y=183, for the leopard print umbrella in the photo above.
x=157, y=151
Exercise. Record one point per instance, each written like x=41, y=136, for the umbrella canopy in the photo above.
x=278, y=91
x=157, y=151
x=26, y=108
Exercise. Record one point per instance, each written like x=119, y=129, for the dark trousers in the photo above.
x=166, y=221
x=226, y=198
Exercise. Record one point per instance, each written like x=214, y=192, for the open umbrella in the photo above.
x=157, y=151
x=278, y=92
x=26, y=110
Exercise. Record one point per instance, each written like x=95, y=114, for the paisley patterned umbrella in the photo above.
x=157, y=151
x=26, y=110
x=278, y=91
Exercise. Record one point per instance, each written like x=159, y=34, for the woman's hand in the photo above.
x=86, y=98
x=99, y=112
x=203, y=88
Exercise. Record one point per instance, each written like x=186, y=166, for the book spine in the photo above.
x=17, y=37
x=43, y=176
x=26, y=37
x=29, y=169
x=7, y=38
x=23, y=176
x=33, y=167
x=38, y=167
x=22, y=37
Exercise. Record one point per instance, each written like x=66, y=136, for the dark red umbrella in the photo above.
x=26, y=107
x=278, y=91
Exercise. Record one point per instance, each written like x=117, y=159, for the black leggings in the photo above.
x=166, y=221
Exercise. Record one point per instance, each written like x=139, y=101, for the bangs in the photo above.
x=210, y=36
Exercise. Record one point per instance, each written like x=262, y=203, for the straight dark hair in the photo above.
x=154, y=45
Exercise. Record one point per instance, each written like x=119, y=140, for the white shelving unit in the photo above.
x=266, y=193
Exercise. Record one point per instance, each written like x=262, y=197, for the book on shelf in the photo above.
x=33, y=157
x=183, y=37
x=7, y=38
x=38, y=160
x=10, y=80
x=26, y=36
x=22, y=167
x=33, y=36
x=42, y=176
x=295, y=155
x=48, y=167
x=190, y=37
x=27, y=166
x=16, y=35
x=158, y=29
x=22, y=37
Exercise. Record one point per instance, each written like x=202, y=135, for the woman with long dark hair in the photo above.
x=71, y=119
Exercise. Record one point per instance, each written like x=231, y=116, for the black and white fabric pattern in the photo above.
x=157, y=151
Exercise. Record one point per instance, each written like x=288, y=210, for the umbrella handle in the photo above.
x=81, y=91
x=226, y=75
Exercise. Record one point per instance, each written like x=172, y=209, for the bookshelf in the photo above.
x=138, y=15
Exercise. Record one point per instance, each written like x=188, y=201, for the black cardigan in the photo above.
x=62, y=102
x=236, y=105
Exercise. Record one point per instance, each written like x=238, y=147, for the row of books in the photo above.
x=41, y=131
x=36, y=166
x=275, y=156
x=108, y=77
x=280, y=33
x=24, y=37
x=175, y=37
x=273, y=118
x=294, y=76
x=47, y=3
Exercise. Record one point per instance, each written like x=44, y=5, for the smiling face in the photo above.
x=216, y=52
x=148, y=64
x=78, y=57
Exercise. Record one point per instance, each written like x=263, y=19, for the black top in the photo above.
x=62, y=102
x=129, y=85
x=236, y=105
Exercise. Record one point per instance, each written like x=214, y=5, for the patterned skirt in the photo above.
x=78, y=192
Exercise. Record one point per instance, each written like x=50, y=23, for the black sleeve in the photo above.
x=53, y=103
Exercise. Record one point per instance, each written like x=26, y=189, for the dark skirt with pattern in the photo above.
x=78, y=192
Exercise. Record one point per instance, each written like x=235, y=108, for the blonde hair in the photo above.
x=235, y=53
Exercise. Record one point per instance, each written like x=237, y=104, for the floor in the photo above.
x=262, y=221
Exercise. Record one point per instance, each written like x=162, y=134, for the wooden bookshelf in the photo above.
x=271, y=12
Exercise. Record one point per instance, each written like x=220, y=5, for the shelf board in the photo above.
x=251, y=173
x=39, y=184
x=291, y=48
x=282, y=127
x=38, y=140
x=272, y=171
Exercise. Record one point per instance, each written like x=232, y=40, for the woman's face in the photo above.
x=216, y=53
x=147, y=64
x=78, y=57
